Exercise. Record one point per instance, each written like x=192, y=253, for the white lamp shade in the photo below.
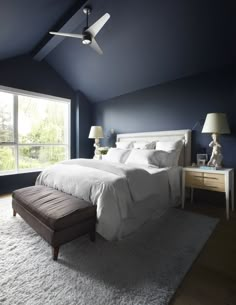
x=216, y=123
x=96, y=132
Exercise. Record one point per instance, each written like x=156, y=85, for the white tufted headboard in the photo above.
x=169, y=135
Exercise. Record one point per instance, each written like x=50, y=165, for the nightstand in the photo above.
x=212, y=180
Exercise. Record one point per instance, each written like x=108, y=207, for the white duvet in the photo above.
x=113, y=187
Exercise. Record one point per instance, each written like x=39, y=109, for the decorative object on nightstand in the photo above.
x=96, y=133
x=103, y=150
x=202, y=159
x=212, y=180
x=216, y=123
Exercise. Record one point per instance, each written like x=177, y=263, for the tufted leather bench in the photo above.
x=56, y=216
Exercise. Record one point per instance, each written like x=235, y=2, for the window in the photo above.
x=34, y=130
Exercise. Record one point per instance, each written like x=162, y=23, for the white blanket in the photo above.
x=113, y=187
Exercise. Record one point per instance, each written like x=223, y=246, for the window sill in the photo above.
x=13, y=173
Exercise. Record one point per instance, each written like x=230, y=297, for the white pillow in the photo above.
x=116, y=155
x=142, y=156
x=169, y=145
x=124, y=145
x=174, y=149
x=151, y=157
x=144, y=145
x=165, y=158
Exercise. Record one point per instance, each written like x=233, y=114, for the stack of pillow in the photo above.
x=156, y=153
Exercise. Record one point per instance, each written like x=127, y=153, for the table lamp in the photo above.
x=96, y=133
x=216, y=124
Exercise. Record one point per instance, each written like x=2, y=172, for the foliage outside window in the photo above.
x=34, y=131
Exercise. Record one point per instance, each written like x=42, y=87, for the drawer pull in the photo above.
x=211, y=186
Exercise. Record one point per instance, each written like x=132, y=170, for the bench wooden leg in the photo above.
x=55, y=251
x=92, y=235
x=14, y=213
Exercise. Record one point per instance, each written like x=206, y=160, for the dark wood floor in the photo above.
x=212, y=278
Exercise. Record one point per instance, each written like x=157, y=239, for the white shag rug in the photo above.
x=145, y=268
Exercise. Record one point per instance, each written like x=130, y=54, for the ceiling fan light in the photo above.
x=87, y=39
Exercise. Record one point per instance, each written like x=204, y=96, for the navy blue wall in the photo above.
x=176, y=105
x=84, y=146
x=27, y=74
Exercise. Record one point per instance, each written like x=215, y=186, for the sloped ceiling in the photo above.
x=23, y=23
x=145, y=42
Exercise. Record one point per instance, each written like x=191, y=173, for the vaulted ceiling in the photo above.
x=23, y=23
x=145, y=42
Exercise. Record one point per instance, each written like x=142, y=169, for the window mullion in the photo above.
x=16, y=130
x=69, y=133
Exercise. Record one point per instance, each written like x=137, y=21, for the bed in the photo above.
x=126, y=194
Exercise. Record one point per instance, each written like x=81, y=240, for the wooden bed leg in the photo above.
x=14, y=213
x=55, y=251
x=92, y=235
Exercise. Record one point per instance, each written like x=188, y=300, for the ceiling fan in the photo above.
x=89, y=33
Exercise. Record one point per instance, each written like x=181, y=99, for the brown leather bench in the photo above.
x=56, y=216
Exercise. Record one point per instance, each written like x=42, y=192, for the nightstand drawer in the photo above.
x=215, y=178
x=214, y=182
x=214, y=187
x=194, y=179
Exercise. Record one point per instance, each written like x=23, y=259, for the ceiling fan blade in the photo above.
x=67, y=34
x=94, y=45
x=96, y=27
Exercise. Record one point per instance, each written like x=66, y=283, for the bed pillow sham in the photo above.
x=116, y=155
x=166, y=159
x=140, y=156
x=124, y=145
x=144, y=145
x=169, y=145
x=151, y=157
x=174, y=149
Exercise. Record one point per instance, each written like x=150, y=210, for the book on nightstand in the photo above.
x=209, y=167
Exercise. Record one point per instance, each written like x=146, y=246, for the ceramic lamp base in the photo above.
x=216, y=155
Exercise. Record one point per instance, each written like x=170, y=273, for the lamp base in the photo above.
x=96, y=151
x=216, y=155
